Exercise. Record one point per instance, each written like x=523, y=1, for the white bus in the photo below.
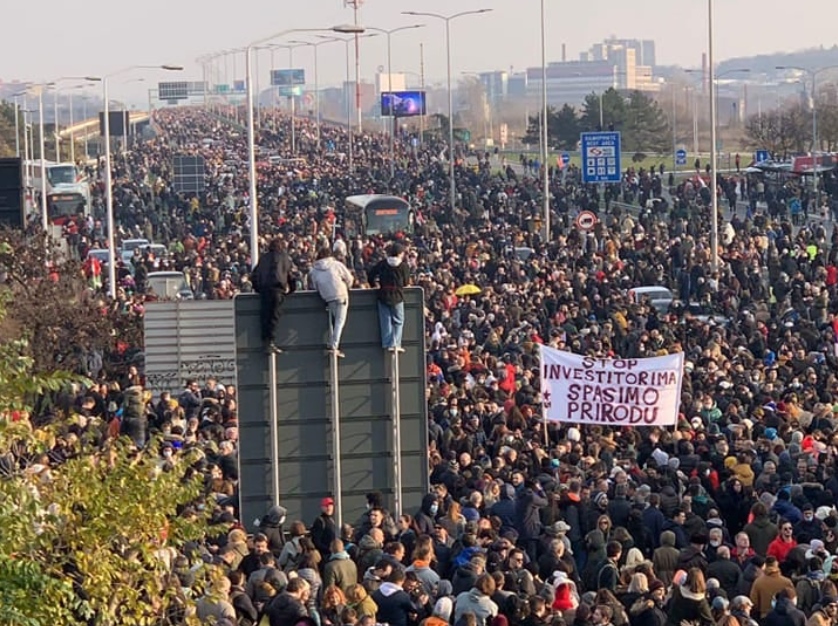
x=68, y=190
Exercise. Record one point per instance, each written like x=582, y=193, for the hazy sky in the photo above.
x=97, y=37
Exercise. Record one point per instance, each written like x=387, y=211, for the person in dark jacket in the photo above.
x=654, y=520
x=648, y=610
x=246, y=613
x=504, y=509
x=725, y=571
x=392, y=276
x=324, y=530
x=693, y=554
x=676, y=525
x=425, y=519
x=619, y=508
x=528, y=518
x=272, y=281
x=394, y=604
x=784, y=612
x=288, y=607
x=271, y=526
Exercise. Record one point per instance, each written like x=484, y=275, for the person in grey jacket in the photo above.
x=332, y=280
x=478, y=601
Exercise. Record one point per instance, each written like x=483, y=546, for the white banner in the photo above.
x=619, y=392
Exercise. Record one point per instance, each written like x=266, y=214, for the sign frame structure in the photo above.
x=12, y=205
x=304, y=395
x=177, y=90
x=190, y=173
x=601, y=158
x=680, y=157
x=583, y=390
x=565, y=159
x=760, y=156
x=288, y=77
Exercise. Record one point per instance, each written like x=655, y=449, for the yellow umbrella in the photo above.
x=468, y=290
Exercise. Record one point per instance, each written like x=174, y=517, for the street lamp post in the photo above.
x=389, y=34
x=447, y=19
x=544, y=134
x=348, y=100
x=251, y=139
x=111, y=223
x=315, y=46
x=813, y=73
x=714, y=198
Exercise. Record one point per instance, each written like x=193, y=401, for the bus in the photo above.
x=377, y=214
x=68, y=191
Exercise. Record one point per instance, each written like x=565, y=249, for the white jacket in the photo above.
x=331, y=279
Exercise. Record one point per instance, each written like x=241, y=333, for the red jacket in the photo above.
x=780, y=549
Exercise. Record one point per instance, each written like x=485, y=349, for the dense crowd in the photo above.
x=726, y=519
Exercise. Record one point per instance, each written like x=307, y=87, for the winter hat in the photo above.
x=573, y=434
x=443, y=608
x=720, y=603
x=600, y=497
x=655, y=585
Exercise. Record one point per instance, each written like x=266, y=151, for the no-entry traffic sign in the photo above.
x=586, y=220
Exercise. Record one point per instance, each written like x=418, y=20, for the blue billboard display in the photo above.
x=403, y=103
x=288, y=78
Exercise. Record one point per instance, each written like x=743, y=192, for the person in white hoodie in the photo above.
x=332, y=280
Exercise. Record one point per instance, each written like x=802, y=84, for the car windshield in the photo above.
x=62, y=175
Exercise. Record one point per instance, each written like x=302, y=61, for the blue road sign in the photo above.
x=681, y=157
x=761, y=155
x=565, y=158
x=601, y=157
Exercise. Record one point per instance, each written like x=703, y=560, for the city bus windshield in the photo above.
x=61, y=175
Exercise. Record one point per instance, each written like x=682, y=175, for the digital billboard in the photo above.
x=403, y=103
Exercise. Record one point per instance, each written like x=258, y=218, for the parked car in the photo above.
x=170, y=286
x=658, y=297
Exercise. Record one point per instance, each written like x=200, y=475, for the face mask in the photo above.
x=454, y=412
x=394, y=261
x=434, y=509
x=715, y=543
x=808, y=517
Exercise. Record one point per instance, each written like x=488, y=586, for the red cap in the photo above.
x=327, y=502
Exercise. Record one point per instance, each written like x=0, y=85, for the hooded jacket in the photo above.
x=394, y=605
x=475, y=602
x=504, y=508
x=331, y=279
x=424, y=520
x=392, y=280
x=762, y=531
x=285, y=610
x=785, y=614
x=690, y=607
x=665, y=558
x=271, y=526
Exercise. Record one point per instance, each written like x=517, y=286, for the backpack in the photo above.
x=605, y=566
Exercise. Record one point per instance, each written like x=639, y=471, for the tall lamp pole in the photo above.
x=714, y=198
x=389, y=34
x=448, y=19
x=544, y=133
x=106, y=122
x=251, y=139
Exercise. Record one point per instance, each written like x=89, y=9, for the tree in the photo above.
x=643, y=125
x=84, y=540
x=613, y=111
x=63, y=321
x=7, y=129
x=647, y=126
x=562, y=128
x=781, y=131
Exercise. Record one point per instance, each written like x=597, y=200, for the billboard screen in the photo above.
x=403, y=103
x=287, y=78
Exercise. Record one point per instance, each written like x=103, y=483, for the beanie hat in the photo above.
x=443, y=608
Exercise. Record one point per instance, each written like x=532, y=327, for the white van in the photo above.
x=170, y=286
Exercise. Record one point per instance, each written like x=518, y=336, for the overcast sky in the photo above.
x=97, y=36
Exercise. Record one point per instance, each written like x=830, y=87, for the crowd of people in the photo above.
x=727, y=519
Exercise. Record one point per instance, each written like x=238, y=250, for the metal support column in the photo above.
x=336, y=464
x=274, y=432
x=397, y=436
